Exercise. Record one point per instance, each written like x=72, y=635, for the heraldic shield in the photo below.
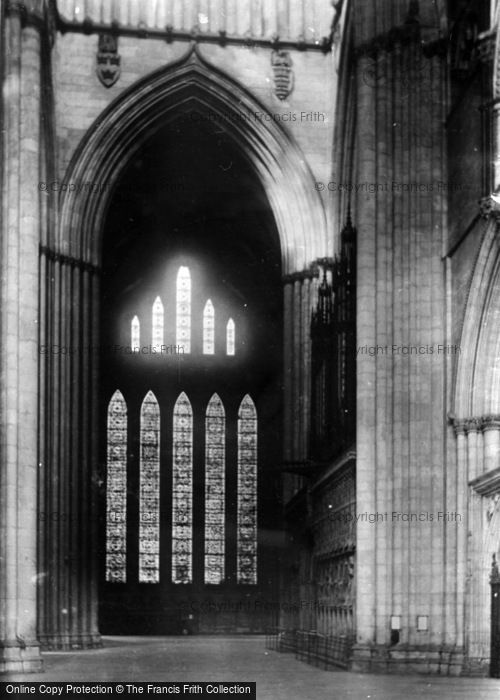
x=108, y=60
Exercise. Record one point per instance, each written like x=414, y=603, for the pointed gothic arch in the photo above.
x=476, y=420
x=193, y=84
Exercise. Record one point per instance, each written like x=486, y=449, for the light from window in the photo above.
x=183, y=310
x=208, y=329
x=230, y=337
x=149, y=491
x=246, y=565
x=157, y=325
x=215, y=459
x=135, y=335
x=182, y=492
x=116, y=490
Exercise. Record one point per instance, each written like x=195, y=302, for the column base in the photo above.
x=16, y=657
x=69, y=642
x=439, y=661
x=477, y=667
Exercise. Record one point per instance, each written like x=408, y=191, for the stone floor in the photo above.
x=244, y=658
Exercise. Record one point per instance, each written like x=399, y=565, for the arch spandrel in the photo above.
x=186, y=85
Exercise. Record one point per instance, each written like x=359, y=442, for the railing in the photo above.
x=324, y=651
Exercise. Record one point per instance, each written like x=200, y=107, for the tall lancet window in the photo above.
x=183, y=310
x=135, y=335
x=182, y=492
x=215, y=462
x=149, y=491
x=157, y=324
x=208, y=329
x=246, y=565
x=230, y=337
x=116, y=490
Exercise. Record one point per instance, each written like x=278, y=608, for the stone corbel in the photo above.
x=489, y=207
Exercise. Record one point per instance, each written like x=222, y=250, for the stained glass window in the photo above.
x=230, y=337
x=208, y=329
x=149, y=492
x=215, y=458
x=135, y=334
x=116, y=490
x=183, y=310
x=246, y=565
x=182, y=492
x=157, y=324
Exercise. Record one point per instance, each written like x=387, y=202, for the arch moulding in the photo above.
x=192, y=84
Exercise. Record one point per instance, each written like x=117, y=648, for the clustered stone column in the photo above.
x=300, y=290
x=401, y=393
x=69, y=483
x=19, y=649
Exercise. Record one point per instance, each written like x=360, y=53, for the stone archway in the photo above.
x=477, y=426
x=70, y=271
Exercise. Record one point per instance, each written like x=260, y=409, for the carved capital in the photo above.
x=486, y=46
x=489, y=207
x=31, y=12
x=491, y=422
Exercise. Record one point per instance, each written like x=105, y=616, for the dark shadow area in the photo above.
x=189, y=198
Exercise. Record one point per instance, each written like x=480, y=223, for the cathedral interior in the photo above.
x=249, y=328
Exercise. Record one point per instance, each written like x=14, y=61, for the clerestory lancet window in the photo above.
x=157, y=325
x=183, y=310
x=209, y=329
x=230, y=338
x=135, y=335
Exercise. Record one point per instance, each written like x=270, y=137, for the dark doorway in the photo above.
x=190, y=202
